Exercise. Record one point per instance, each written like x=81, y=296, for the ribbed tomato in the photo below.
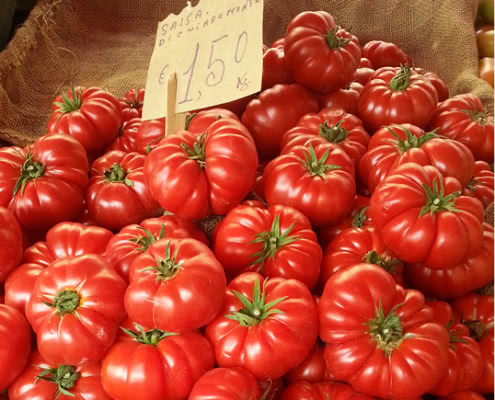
x=385, y=54
x=10, y=243
x=131, y=105
x=128, y=136
x=346, y=98
x=481, y=183
x=322, y=391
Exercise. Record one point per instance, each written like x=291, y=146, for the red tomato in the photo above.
x=75, y=309
x=131, y=105
x=330, y=125
x=385, y=54
x=90, y=115
x=128, y=136
x=395, y=95
x=322, y=391
x=440, y=85
x=133, y=240
x=249, y=332
x=149, y=134
x=465, y=364
x=485, y=69
x=481, y=184
x=312, y=369
x=363, y=75
x=44, y=184
x=176, y=285
x=117, y=195
x=377, y=331
x=277, y=242
x=10, y=243
x=42, y=380
x=346, y=98
x=365, y=63
x=319, y=182
x=226, y=384
x=422, y=217
x=259, y=183
x=275, y=111
x=15, y=336
x=470, y=274
x=279, y=43
x=395, y=145
x=464, y=395
x=151, y=364
x=195, y=174
x=464, y=118
x=318, y=54
x=274, y=69
x=476, y=312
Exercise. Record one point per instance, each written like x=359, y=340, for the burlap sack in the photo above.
x=108, y=43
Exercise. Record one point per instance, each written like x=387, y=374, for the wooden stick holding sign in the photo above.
x=174, y=122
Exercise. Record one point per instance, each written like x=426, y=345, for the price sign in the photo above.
x=215, y=48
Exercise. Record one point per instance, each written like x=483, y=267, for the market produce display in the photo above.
x=324, y=239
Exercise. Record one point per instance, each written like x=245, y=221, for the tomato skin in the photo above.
x=57, y=194
x=311, y=130
x=234, y=383
x=272, y=347
x=131, y=105
x=87, y=387
x=440, y=239
x=474, y=307
x=322, y=391
x=380, y=105
x=350, y=300
x=95, y=124
x=10, y=243
x=149, y=134
x=346, y=98
x=481, y=184
x=274, y=71
x=310, y=58
x=485, y=69
x=324, y=201
x=15, y=336
x=384, y=54
x=312, y=369
x=188, y=300
x=365, y=63
x=440, y=86
x=473, y=128
x=126, y=141
x=19, y=285
x=234, y=248
x=464, y=395
x=122, y=249
x=82, y=337
x=192, y=188
x=484, y=40
x=363, y=75
x=385, y=154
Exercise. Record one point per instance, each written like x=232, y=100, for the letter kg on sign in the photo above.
x=216, y=50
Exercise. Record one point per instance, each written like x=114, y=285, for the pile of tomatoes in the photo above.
x=324, y=239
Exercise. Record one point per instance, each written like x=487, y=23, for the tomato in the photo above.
x=319, y=182
x=464, y=118
x=464, y=395
x=470, y=274
x=322, y=391
x=279, y=43
x=476, y=312
x=436, y=81
x=131, y=105
x=318, y=54
x=151, y=364
x=485, y=69
x=176, y=285
x=481, y=184
x=385, y=54
x=465, y=362
x=42, y=380
x=484, y=40
x=275, y=111
x=135, y=239
x=15, y=336
x=10, y=243
x=193, y=174
x=128, y=135
x=377, y=331
x=330, y=125
x=422, y=217
x=365, y=63
x=277, y=242
x=75, y=309
x=259, y=184
x=149, y=134
x=117, y=195
x=267, y=327
x=346, y=98
x=91, y=115
x=312, y=369
x=395, y=145
x=44, y=184
x=363, y=75
x=274, y=69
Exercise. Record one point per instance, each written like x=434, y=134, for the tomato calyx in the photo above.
x=401, y=80
x=68, y=105
x=30, y=170
x=151, y=337
x=476, y=329
x=454, y=335
x=411, y=140
x=386, y=330
x=256, y=311
x=273, y=240
x=387, y=263
x=318, y=167
x=117, y=174
x=189, y=118
x=360, y=217
x=480, y=117
x=472, y=185
x=436, y=200
x=333, y=134
x=335, y=42
x=66, y=301
x=197, y=152
x=166, y=268
x=64, y=376
x=148, y=239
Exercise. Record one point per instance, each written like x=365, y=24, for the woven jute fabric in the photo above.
x=108, y=43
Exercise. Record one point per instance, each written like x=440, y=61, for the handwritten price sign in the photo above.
x=215, y=48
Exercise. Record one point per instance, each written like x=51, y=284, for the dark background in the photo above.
x=12, y=14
